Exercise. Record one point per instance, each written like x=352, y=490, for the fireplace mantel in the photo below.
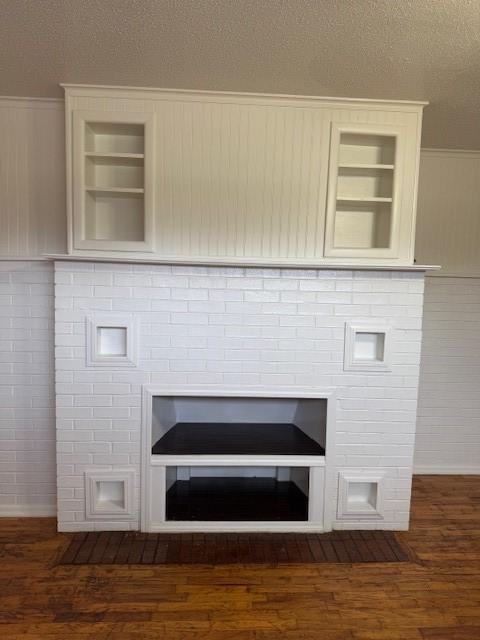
x=254, y=263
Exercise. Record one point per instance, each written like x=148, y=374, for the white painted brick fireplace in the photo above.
x=243, y=328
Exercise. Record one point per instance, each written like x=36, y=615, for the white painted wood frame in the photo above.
x=353, y=363
x=242, y=178
x=153, y=467
x=77, y=187
x=392, y=251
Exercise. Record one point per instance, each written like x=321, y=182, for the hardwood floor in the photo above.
x=437, y=598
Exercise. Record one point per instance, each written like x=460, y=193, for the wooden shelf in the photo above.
x=193, y=438
x=363, y=199
x=355, y=165
x=114, y=189
x=101, y=154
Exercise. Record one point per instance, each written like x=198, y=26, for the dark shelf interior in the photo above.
x=229, y=499
x=190, y=438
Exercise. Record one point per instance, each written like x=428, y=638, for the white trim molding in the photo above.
x=28, y=511
x=94, y=355
x=354, y=363
x=153, y=468
x=447, y=470
x=101, y=508
x=360, y=509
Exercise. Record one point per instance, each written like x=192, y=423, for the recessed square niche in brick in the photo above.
x=366, y=347
x=360, y=496
x=108, y=494
x=111, y=341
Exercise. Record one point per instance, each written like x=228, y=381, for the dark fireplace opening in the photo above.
x=239, y=494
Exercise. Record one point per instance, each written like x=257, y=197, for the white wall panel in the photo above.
x=27, y=413
x=32, y=177
x=448, y=423
x=448, y=219
x=235, y=178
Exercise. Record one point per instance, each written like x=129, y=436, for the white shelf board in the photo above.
x=360, y=199
x=106, y=154
x=218, y=526
x=114, y=189
x=355, y=165
x=236, y=460
x=240, y=262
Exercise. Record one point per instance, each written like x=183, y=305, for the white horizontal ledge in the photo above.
x=253, y=526
x=240, y=460
x=202, y=261
x=167, y=93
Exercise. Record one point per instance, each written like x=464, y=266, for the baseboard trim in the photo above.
x=28, y=511
x=446, y=470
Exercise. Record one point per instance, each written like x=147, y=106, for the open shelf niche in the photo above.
x=185, y=425
x=227, y=462
x=237, y=494
x=114, y=181
x=362, y=207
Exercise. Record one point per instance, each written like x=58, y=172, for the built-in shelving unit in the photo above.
x=112, y=203
x=277, y=494
x=227, y=461
x=362, y=211
x=207, y=177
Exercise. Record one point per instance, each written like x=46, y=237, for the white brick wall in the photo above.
x=448, y=430
x=234, y=327
x=27, y=417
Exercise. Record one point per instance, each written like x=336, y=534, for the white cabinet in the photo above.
x=112, y=183
x=230, y=178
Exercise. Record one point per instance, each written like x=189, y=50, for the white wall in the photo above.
x=32, y=222
x=32, y=177
x=448, y=233
x=448, y=220
x=27, y=414
x=448, y=423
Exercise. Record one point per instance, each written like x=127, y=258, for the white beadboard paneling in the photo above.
x=448, y=221
x=32, y=177
x=235, y=178
x=27, y=414
x=448, y=433
x=242, y=177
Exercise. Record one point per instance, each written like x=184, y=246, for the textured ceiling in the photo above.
x=408, y=49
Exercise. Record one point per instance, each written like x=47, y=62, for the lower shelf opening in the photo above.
x=261, y=494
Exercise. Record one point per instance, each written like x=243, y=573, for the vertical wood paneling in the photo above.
x=32, y=178
x=245, y=177
x=448, y=219
x=235, y=179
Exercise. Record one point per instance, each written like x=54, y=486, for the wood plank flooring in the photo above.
x=436, y=598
